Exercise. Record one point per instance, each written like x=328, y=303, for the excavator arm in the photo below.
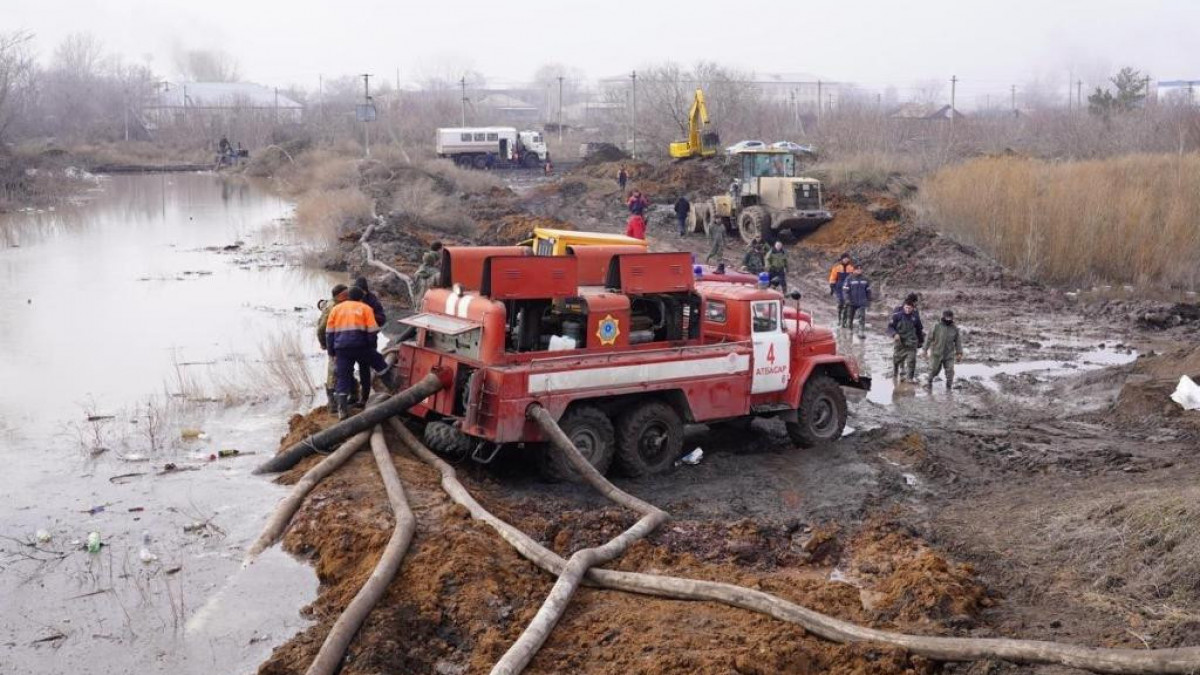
x=699, y=143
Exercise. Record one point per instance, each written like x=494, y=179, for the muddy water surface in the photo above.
x=149, y=313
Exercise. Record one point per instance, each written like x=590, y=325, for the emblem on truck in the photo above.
x=608, y=330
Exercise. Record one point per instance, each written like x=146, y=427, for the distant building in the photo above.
x=505, y=107
x=925, y=112
x=1178, y=91
x=217, y=104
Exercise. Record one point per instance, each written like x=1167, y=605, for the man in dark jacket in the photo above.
x=682, y=208
x=837, y=278
x=857, y=291
x=908, y=335
x=364, y=372
x=946, y=346
x=638, y=203
x=755, y=261
x=350, y=338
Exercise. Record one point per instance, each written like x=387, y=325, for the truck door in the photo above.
x=772, y=350
x=504, y=149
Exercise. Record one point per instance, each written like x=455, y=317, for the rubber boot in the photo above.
x=330, y=402
x=343, y=406
x=949, y=383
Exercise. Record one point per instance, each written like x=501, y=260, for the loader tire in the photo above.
x=592, y=433
x=649, y=438
x=447, y=441
x=822, y=413
x=754, y=222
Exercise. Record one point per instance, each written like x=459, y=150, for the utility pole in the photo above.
x=463, y=82
x=953, y=88
x=818, y=101
x=560, y=106
x=633, y=78
x=366, y=102
x=1079, y=94
x=275, y=110
x=126, y=116
x=1014, y=101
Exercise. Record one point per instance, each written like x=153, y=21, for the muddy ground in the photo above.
x=1048, y=496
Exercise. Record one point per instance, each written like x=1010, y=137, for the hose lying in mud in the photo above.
x=363, y=421
x=408, y=284
x=329, y=657
x=534, y=636
x=291, y=503
x=1120, y=661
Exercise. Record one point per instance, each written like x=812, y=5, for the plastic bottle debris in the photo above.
x=146, y=556
x=229, y=452
x=192, y=434
x=1187, y=394
x=93, y=542
x=145, y=537
x=692, y=458
x=42, y=536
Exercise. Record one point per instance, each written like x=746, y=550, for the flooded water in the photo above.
x=164, y=306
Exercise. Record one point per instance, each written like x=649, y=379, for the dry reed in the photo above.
x=1130, y=219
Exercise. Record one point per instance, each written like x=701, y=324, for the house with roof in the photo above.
x=217, y=105
x=925, y=112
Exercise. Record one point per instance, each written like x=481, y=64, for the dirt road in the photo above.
x=1022, y=504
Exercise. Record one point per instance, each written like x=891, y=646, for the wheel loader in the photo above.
x=766, y=200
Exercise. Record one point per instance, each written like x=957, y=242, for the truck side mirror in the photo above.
x=794, y=295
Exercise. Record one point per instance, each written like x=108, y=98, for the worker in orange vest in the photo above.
x=843, y=268
x=350, y=336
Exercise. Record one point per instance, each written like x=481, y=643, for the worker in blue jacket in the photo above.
x=856, y=290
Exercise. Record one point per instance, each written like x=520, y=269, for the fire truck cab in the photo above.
x=622, y=346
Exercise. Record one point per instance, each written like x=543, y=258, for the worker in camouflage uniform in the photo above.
x=754, y=262
x=427, y=274
x=908, y=335
x=777, y=266
x=338, y=295
x=716, y=234
x=946, y=347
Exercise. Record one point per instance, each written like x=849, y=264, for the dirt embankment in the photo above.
x=463, y=595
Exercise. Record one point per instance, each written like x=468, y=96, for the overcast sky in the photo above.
x=988, y=45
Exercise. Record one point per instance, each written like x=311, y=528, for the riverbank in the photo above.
x=882, y=528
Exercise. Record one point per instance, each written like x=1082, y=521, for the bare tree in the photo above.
x=17, y=71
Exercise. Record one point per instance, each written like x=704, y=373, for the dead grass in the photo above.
x=865, y=170
x=1129, y=219
x=1143, y=544
x=284, y=366
x=329, y=214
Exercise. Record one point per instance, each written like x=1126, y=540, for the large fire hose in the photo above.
x=326, y=439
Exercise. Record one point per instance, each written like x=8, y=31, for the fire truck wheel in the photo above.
x=822, y=413
x=649, y=438
x=592, y=433
x=446, y=440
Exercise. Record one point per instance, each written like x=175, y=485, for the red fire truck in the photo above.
x=622, y=346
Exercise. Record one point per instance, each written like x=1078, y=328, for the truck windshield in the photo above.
x=768, y=164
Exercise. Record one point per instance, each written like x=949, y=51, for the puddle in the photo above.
x=884, y=391
x=132, y=309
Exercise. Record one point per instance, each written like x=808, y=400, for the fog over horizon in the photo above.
x=875, y=45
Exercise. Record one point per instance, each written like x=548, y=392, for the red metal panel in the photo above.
x=652, y=273
x=463, y=265
x=608, y=321
x=594, y=261
x=530, y=278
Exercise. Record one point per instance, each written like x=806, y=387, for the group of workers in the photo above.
x=848, y=283
x=348, y=331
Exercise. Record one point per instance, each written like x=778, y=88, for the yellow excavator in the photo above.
x=699, y=143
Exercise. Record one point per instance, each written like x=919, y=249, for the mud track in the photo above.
x=1036, y=500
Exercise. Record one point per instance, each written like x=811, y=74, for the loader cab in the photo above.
x=765, y=164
